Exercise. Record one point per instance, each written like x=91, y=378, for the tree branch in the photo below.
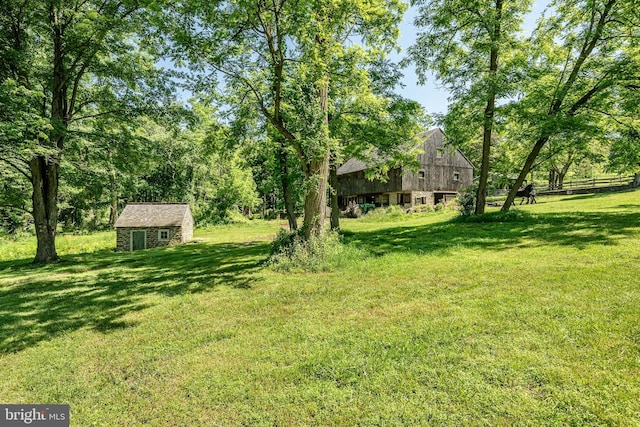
x=17, y=168
x=18, y=208
x=91, y=116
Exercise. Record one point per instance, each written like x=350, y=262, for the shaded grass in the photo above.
x=528, y=321
x=97, y=291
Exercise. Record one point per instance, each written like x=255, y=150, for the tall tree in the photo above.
x=585, y=64
x=463, y=43
x=53, y=53
x=278, y=55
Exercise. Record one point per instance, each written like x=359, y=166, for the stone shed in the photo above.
x=151, y=225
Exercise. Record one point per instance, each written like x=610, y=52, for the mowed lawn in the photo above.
x=534, y=321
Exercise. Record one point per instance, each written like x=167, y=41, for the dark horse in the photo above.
x=528, y=192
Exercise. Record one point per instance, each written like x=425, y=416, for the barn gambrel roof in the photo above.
x=356, y=165
x=153, y=215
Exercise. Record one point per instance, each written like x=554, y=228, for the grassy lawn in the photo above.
x=535, y=321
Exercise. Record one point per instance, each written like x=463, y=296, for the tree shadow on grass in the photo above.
x=578, y=229
x=97, y=290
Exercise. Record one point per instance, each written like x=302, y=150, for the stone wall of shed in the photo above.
x=187, y=228
x=123, y=237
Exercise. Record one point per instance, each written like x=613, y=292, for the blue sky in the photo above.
x=433, y=97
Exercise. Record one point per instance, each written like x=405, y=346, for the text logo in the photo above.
x=34, y=415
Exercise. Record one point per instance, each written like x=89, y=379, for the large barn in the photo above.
x=442, y=173
x=150, y=225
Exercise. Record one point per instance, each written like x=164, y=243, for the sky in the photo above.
x=432, y=96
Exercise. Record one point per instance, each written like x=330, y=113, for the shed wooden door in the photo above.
x=138, y=240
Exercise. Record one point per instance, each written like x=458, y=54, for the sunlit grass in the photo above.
x=529, y=321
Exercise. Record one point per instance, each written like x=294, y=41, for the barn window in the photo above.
x=421, y=174
x=163, y=235
x=438, y=153
x=456, y=176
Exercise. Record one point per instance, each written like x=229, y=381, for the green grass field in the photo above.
x=533, y=321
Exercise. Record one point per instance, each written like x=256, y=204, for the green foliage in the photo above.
x=285, y=240
x=389, y=213
x=467, y=200
x=397, y=213
x=439, y=207
x=423, y=209
x=291, y=252
x=514, y=215
x=624, y=155
x=487, y=30
x=72, y=73
x=300, y=65
x=584, y=57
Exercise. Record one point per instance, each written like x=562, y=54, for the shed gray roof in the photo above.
x=153, y=215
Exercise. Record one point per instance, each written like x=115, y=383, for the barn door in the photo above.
x=138, y=240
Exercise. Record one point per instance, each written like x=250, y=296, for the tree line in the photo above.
x=282, y=91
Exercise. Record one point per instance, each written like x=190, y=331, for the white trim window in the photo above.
x=456, y=176
x=163, y=235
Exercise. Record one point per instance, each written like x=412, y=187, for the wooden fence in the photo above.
x=585, y=184
x=542, y=187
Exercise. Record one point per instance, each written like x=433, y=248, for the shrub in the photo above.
x=423, y=209
x=389, y=213
x=290, y=252
x=285, y=241
x=467, y=200
x=512, y=215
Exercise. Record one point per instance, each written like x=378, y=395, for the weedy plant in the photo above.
x=290, y=252
x=390, y=213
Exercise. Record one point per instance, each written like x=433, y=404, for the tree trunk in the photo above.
x=481, y=195
x=561, y=180
x=113, y=210
x=562, y=173
x=45, y=168
x=44, y=173
x=335, y=208
x=552, y=177
x=318, y=166
x=285, y=180
x=316, y=198
x=523, y=173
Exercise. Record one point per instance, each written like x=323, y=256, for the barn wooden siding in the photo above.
x=439, y=169
x=442, y=171
x=355, y=183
